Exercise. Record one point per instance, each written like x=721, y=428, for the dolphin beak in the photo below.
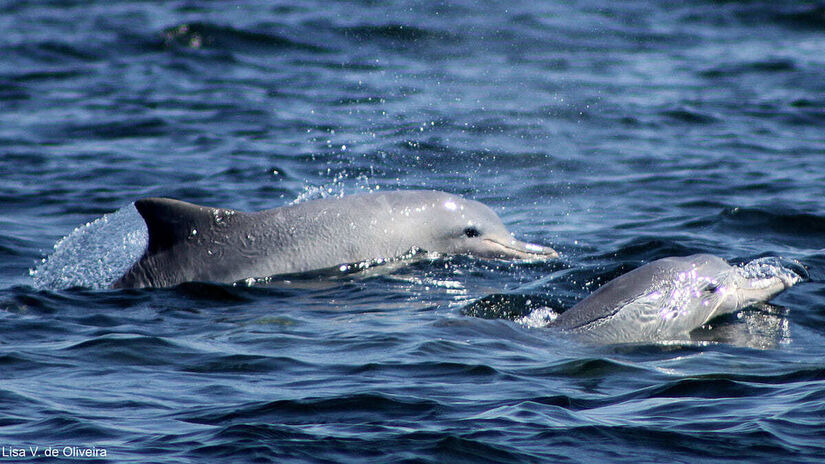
x=511, y=248
x=754, y=283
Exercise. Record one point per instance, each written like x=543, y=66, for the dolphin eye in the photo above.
x=471, y=232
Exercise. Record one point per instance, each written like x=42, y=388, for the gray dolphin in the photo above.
x=666, y=299
x=198, y=243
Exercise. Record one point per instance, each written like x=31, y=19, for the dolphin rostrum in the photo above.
x=198, y=243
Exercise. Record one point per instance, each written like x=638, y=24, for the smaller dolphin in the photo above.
x=666, y=299
x=197, y=243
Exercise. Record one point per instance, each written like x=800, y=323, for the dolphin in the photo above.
x=666, y=299
x=188, y=242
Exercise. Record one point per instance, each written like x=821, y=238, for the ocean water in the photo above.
x=616, y=132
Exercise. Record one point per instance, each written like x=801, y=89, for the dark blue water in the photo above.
x=616, y=132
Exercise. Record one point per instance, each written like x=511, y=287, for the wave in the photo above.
x=394, y=32
x=789, y=226
x=674, y=417
x=199, y=35
x=690, y=115
x=116, y=129
x=776, y=65
x=793, y=15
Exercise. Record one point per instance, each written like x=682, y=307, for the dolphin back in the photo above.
x=189, y=242
x=180, y=235
x=171, y=222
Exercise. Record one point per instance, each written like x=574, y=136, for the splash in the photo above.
x=337, y=187
x=764, y=270
x=95, y=254
x=540, y=317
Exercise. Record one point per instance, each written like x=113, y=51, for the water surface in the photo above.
x=618, y=133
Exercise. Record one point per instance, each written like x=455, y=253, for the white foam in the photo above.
x=539, y=317
x=770, y=268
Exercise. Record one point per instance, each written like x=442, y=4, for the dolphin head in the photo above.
x=751, y=283
x=449, y=224
x=669, y=297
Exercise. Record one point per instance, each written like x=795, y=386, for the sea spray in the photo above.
x=95, y=254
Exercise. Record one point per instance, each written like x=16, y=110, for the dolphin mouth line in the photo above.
x=523, y=250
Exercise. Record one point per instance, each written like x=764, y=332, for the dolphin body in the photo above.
x=666, y=299
x=188, y=242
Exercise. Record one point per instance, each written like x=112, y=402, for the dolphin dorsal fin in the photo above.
x=173, y=221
